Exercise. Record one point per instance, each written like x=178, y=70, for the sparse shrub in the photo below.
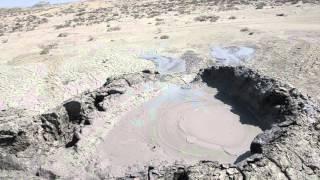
x=65, y=25
x=260, y=5
x=164, y=37
x=48, y=15
x=90, y=38
x=232, y=17
x=211, y=18
x=159, y=19
x=63, y=35
x=281, y=14
x=159, y=23
x=200, y=18
x=245, y=29
x=46, y=48
x=117, y=28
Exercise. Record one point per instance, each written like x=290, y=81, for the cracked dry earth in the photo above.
x=61, y=143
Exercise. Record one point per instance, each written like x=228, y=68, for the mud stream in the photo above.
x=180, y=125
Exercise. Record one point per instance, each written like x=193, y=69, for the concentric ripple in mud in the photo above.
x=179, y=125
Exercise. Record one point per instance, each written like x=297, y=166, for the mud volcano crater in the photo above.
x=289, y=121
x=286, y=147
x=252, y=99
x=184, y=124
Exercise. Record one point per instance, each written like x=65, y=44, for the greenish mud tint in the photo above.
x=184, y=125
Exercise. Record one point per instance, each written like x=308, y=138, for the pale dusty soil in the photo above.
x=287, y=48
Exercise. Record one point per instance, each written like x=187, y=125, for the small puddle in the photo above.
x=184, y=125
x=232, y=55
x=166, y=65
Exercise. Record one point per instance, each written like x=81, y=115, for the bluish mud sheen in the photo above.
x=232, y=55
x=166, y=65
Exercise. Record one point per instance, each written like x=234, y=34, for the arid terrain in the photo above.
x=72, y=75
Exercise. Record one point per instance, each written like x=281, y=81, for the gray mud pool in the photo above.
x=180, y=125
x=166, y=65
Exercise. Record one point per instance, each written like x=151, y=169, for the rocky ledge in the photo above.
x=289, y=147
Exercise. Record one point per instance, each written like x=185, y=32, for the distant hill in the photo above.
x=41, y=4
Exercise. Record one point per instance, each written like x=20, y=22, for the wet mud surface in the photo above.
x=166, y=65
x=232, y=55
x=179, y=125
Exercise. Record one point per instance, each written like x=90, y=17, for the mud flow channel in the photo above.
x=180, y=125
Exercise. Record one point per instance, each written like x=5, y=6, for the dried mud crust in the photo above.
x=26, y=141
x=288, y=148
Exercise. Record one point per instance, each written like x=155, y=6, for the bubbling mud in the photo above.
x=184, y=125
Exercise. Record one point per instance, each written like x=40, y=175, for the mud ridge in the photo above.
x=25, y=143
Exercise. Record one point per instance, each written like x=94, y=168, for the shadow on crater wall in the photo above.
x=249, y=94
